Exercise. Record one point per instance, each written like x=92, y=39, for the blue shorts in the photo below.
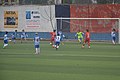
x=61, y=39
x=36, y=46
x=113, y=38
x=57, y=43
x=5, y=41
x=13, y=38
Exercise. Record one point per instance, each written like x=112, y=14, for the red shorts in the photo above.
x=87, y=40
x=52, y=39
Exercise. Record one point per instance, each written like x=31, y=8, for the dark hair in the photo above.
x=54, y=30
x=15, y=30
x=87, y=30
x=36, y=33
x=6, y=32
x=114, y=29
x=58, y=34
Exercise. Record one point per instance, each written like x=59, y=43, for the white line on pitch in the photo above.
x=82, y=55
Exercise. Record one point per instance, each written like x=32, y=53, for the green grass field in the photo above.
x=69, y=62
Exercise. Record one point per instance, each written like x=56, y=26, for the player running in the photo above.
x=62, y=36
x=5, y=40
x=57, y=41
x=87, y=39
x=23, y=36
x=36, y=43
x=14, y=36
x=53, y=34
x=79, y=35
x=113, y=35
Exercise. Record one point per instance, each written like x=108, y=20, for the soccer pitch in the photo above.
x=69, y=62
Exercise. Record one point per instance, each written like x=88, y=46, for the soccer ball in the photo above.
x=57, y=46
x=53, y=46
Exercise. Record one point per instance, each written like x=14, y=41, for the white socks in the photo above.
x=37, y=50
x=5, y=45
x=113, y=41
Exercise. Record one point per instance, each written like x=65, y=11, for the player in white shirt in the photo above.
x=36, y=43
x=5, y=40
x=62, y=36
x=113, y=35
x=57, y=41
x=23, y=36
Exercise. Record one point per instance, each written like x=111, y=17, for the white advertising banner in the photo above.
x=31, y=18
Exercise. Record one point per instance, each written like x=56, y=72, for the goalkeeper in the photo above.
x=80, y=35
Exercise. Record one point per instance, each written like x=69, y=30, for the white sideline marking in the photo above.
x=84, y=55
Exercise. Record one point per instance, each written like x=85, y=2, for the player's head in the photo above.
x=23, y=30
x=87, y=30
x=79, y=30
x=15, y=30
x=36, y=33
x=54, y=30
x=6, y=32
x=58, y=34
x=113, y=29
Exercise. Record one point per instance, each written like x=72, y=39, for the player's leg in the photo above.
x=57, y=45
x=13, y=40
x=37, y=49
x=51, y=41
x=113, y=40
x=21, y=39
x=82, y=40
x=61, y=40
x=25, y=38
x=84, y=43
x=5, y=43
x=79, y=39
x=88, y=43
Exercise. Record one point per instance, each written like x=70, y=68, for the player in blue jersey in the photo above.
x=14, y=36
x=57, y=41
x=62, y=36
x=36, y=43
x=5, y=39
x=113, y=35
x=23, y=36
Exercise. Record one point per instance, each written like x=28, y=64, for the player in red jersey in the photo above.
x=87, y=39
x=53, y=34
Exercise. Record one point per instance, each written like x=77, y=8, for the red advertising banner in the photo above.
x=94, y=11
